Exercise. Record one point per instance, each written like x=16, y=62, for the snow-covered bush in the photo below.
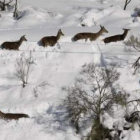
x=136, y=12
x=93, y=94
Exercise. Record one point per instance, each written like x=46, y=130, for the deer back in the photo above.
x=10, y=45
x=81, y=36
x=91, y=36
x=11, y=116
x=112, y=39
x=49, y=41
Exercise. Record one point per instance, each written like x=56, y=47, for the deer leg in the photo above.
x=43, y=43
x=53, y=45
x=46, y=44
x=91, y=39
x=17, y=49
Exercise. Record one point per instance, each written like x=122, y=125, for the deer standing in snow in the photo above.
x=13, y=45
x=10, y=116
x=51, y=40
x=91, y=36
x=116, y=38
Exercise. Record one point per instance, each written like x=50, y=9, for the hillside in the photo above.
x=54, y=67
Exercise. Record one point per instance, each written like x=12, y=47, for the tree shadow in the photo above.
x=7, y=87
x=120, y=62
x=54, y=120
x=9, y=76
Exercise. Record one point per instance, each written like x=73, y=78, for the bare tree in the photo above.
x=126, y=3
x=24, y=68
x=91, y=96
x=4, y=4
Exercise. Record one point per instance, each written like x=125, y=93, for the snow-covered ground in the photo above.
x=58, y=66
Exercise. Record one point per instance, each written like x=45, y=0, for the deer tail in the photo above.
x=2, y=47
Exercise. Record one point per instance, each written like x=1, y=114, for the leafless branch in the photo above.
x=136, y=65
x=126, y=3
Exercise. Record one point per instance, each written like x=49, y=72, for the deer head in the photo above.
x=103, y=29
x=126, y=29
x=23, y=38
x=60, y=32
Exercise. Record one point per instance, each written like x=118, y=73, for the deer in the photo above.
x=51, y=40
x=91, y=36
x=116, y=38
x=13, y=45
x=12, y=116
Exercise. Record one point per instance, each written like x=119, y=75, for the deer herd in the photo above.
x=52, y=40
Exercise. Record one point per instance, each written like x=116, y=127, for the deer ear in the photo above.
x=126, y=29
x=101, y=26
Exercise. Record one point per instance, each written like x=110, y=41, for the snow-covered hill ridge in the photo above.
x=58, y=66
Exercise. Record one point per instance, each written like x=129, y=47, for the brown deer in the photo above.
x=51, y=40
x=91, y=36
x=10, y=116
x=116, y=38
x=13, y=45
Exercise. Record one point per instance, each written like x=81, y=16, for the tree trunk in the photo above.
x=3, y=6
x=16, y=11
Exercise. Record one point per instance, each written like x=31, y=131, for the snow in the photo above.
x=59, y=65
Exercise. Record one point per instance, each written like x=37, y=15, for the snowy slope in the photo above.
x=58, y=66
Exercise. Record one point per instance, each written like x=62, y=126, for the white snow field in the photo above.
x=59, y=65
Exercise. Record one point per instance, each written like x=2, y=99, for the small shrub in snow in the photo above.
x=38, y=90
x=133, y=42
x=4, y=4
x=90, y=97
x=136, y=65
x=24, y=68
x=137, y=12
